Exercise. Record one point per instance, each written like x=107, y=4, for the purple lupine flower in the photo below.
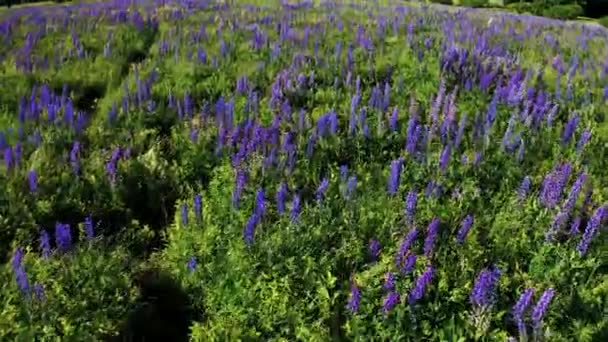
x=74, y=157
x=8, y=157
x=389, y=281
x=241, y=179
x=444, y=158
x=320, y=193
x=192, y=264
x=249, y=231
x=410, y=206
x=45, y=244
x=482, y=294
x=574, y=192
x=431, y=236
x=574, y=227
x=404, y=247
x=295, y=208
x=343, y=172
x=422, y=282
x=520, y=307
x=539, y=310
x=395, y=176
x=198, y=207
x=63, y=237
x=281, y=195
x=22, y=281
x=593, y=226
x=354, y=298
x=523, y=189
x=392, y=122
x=569, y=129
x=184, y=214
x=585, y=137
x=374, y=249
x=260, y=204
x=18, y=258
x=553, y=184
x=350, y=186
x=391, y=300
x=39, y=292
x=464, y=229
x=88, y=228
x=558, y=223
x=32, y=180
x=410, y=262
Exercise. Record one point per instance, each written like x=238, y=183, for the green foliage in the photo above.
x=565, y=12
x=603, y=21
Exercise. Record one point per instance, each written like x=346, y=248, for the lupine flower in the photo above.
x=184, y=214
x=260, y=205
x=354, y=298
x=395, y=175
x=410, y=262
x=558, y=223
x=574, y=227
x=192, y=264
x=249, y=231
x=350, y=186
x=585, y=137
x=431, y=236
x=241, y=179
x=18, y=258
x=63, y=236
x=22, y=281
x=404, y=247
x=281, y=194
x=524, y=188
x=569, y=129
x=391, y=300
x=539, y=310
x=45, y=244
x=88, y=228
x=574, y=192
x=520, y=307
x=392, y=123
x=422, y=282
x=444, y=158
x=374, y=249
x=39, y=292
x=464, y=229
x=482, y=294
x=322, y=189
x=198, y=207
x=389, y=281
x=32, y=180
x=410, y=206
x=343, y=172
x=593, y=226
x=295, y=208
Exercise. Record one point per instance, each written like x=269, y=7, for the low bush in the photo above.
x=565, y=12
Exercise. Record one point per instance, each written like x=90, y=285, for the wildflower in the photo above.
x=524, y=187
x=198, y=207
x=32, y=180
x=410, y=206
x=520, y=308
x=260, y=206
x=410, y=262
x=354, y=298
x=559, y=221
x=295, y=208
x=88, y=228
x=391, y=300
x=464, y=229
x=585, y=137
x=574, y=227
x=593, y=226
x=444, y=158
x=574, y=192
x=192, y=264
x=374, y=249
x=39, y=292
x=422, y=282
x=322, y=189
x=22, y=281
x=569, y=129
x=539, y=310
x=482, y=294
x=431, y=236
x=389, y=281
x=395, y=175
x=249, y=231
x=343, y=172
x=350, y=186
x=18, y=258
x=45, y=244
x=281, y=194
x=62, y=236
x=184, y=214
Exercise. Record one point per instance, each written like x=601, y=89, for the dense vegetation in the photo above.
x=306, y=171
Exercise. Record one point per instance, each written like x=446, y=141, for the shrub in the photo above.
x=524, y=7
x=475, y=3
x=565, y=12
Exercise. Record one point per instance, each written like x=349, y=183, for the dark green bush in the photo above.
x=444, y=2
x=475, y=3
x=524, y=7
x=565, y=12
x=603, y=21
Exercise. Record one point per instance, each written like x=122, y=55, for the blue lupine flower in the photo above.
x=522, y=304
x=524, y=187
x=410, y=206
x=184, y=214
x=281, y=195
x=63, y=236
x=198, y=207
x=295, y=208
x=18, y=258
x=539, y=310
x=350, y=186
x=444, y=159
x=260, y=205
x=395, y=176
x=374, y=249
x=192, y=264
x=249, y=231
x=354, y=298
x=464, y=229
x=389, y=281
x=421, y=284
x=88, y=228
x=39, y=292
x=343, y=172
x=32, y=180
x=22, y=280
x=45, y=244
x=574, y=227
x=593, y=226
x=585, y=137
x=410, y=262
x=322, y=189
x=391, y=300
x=569, y=129
x=431, y=236
x=574, y=192
x=482, y=294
